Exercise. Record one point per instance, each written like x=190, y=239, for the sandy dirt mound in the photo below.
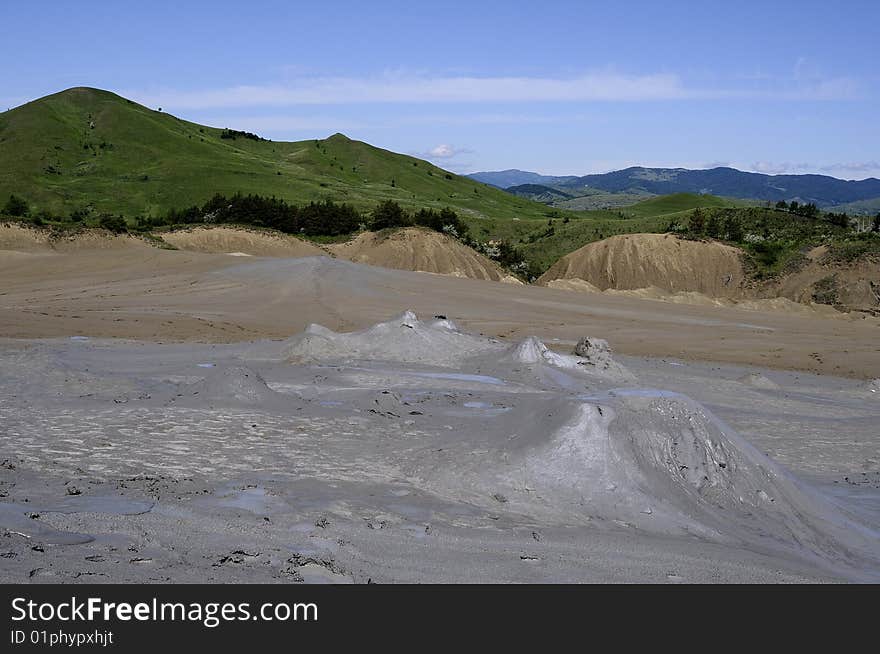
x=784, y=304
x=682, y=297
x=852, y=286
x=780, y=304
x=805, y=307
x=637, y=261
x=420, y=250
x=239, y=242
x=21, y=238
x=580, y=285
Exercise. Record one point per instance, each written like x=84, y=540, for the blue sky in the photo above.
x=554, y=87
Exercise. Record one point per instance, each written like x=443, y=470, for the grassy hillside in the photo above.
x=775, y=241
x=89, y=148
x=675, y=203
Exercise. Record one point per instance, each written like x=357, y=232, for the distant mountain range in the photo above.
x=823, y=190
x=513, y=177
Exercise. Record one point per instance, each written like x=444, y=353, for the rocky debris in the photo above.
x=869, y=479
x=594, y=360
x=388, y=404
x=303, y=563
x=596, y=353
x=237, y=557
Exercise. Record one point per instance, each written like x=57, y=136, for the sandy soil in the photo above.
x=420, y=250
x=19, y=238
x=635, y=261
x=856, y=285
x=782, y=304
x=228, y=240
x=151, y=294
x=664, y=267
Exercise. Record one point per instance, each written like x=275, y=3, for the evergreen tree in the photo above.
x=697, y=224
x=390, y=214
x=713, y=227
x=733, y=229
x=15, y=206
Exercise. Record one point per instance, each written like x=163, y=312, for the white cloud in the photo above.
x=854, y=166
x=851, y=170
x=442, y=151
x=484, y=119
x=780, y=168
x=715, y=164
x=400, y=88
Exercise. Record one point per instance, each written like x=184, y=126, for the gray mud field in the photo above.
x=414, y=451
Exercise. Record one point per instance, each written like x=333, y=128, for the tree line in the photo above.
x=232, y=134
x=807, y=210
x=323, y=218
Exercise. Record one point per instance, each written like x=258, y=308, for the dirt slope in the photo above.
x=420, y=250
x=849, y=286
x=664, y=261
x=21, y=238
x=235, y=240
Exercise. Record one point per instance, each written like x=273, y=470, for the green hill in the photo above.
x=677, y=202
x=85, y=147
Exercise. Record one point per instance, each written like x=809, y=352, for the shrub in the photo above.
x=445, y=220
x=390, y=214
x=825, y=291
x=697, y=225
x=713, y=227
x=78, y=215
x=232, y=134
x=733, y=229
x=115, y=224
x=16, y=206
